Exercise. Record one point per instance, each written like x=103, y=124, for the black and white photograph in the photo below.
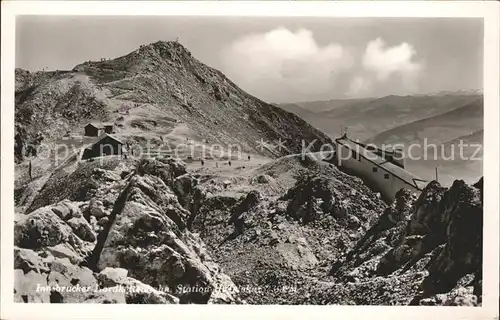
x=250, y=160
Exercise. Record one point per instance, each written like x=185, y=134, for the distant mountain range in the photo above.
x=443, y=118
x=366, y=118
x=441, y=128
x=456, y=92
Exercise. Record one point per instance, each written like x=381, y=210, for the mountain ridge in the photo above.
x=366, y=118
x=162, y=78
x=456, y=118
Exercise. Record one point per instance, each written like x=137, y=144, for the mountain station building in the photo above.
x=95, y=129
x=382, y=170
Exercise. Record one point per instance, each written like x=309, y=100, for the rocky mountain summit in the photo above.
x=154, y=88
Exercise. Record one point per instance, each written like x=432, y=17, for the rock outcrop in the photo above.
x=321, y=195
x=137, y=251
x=436, y=240
x=269, y=241
x=149, y=232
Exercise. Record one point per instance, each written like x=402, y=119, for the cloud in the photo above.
x=385, y=70
x=288, y=66
x=359, y=86
x=387, y=61
x=282, y=65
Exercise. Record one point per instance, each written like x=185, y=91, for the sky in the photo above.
x=279, y=59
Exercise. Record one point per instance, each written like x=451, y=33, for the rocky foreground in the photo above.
x=124, y=241
x=294, y=231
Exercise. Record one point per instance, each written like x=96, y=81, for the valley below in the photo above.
x=443, y=130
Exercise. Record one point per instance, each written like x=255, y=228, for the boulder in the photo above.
x=297, y=256
x=70, y=283
x=106, y=175
x=28, y=260
x=112, y=276
x=316, y=196
x=135, y=291
x=167, y=169
x=245, y=205
x=62, y=212
x=96, y=208
x=63, y=250
x=82, y=229
x=102, y=222
x=184, y=185
x=66, y=209
x=264, y=178
x=458, y=297
x=42, y=228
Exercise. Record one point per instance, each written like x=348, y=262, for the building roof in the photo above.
x=102, y=136
x=99, y=125
x=379, y=151
x=381, y=162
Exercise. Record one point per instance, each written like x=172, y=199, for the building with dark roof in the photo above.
x=104, y=145
x=382, y=171
x=94, y=129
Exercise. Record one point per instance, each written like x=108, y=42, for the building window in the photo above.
x=375, y=169
x=386, y=176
